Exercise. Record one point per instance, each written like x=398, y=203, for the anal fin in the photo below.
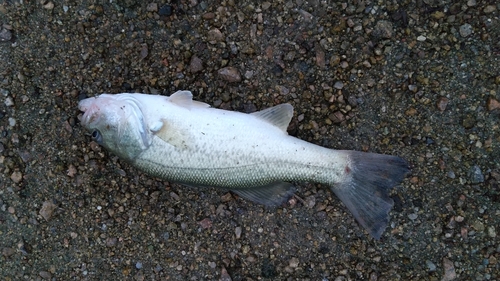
x=273, y=194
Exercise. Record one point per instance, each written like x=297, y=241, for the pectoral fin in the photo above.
x=170, y=134
x=273, y=194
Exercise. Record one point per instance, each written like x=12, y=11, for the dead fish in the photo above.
x=185, y=141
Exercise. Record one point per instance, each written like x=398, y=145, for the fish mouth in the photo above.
x=89, y=108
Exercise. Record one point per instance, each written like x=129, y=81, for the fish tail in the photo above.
x=365, y=190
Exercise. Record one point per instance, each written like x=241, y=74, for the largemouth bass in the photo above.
x=185, y=141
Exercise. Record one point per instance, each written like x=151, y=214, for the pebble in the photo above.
x=465, y=30
x=45, y=275
x=489, y=9
x=138, y=265
x=338, y=85
x=205, y=223
x=214, y=36
x=224, y=275
x=441, y=103
x=230, y=74
x=449, y=270
x=430, y=265
x=492, y=232
x=237, y=231
x=16, y=176
x=152, y=7
x=9, y=101
x=5, y=35
x=47, y=210
x=413, y=216
x=383, y=29
x=421, y=38
x=294, y=262
x=492, y=104
x=7, y=252
x=165, y=10
x=49, y=6
x=476, y=175
x=12, y=122
x=337, y=117
x=196, y=64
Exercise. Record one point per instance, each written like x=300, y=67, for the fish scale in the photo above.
x=186, y=141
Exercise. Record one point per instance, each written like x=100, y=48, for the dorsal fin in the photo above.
x=280, y=115
x=185, y=99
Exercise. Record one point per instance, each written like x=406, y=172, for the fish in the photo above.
x=181, y=140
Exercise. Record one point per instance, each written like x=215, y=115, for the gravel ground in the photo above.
x=419, y=79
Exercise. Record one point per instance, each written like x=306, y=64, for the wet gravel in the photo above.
x=418, y=79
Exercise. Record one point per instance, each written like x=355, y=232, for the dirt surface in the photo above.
x=418, y=79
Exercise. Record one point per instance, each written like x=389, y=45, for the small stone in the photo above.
x=430, y=265
x=413, y=216
x=310, y=201
x=165, y=10
x=449, y=270
x=7, y=252
x=5, y=35
x=12, y=122
x=465, y=30
x=196, y=64
x=320, y=58
x=237, y=231
x=111, y=241
x=230, y=74
x=492, y=104
x=16, y=176
x=478, y=226
x=152, y=7
x=71, y=171
x=471, y=3
x=489, y=9
x=224, y=275
x=11, y=210
x=337, y=117
x=205, y=223
x=9, y=101
x=383, y=29
x=214, y=36
x=492, y=232
x=421, y=38
x=138, y=265
x=338, y=85
x=144, y=51
x=49, y=6
x=266, y=5
x=294, y=262
x=47, y=210
x=45, y=275
x=475, y=175
x=441, y=103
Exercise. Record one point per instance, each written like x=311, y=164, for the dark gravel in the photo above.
x=418, y=79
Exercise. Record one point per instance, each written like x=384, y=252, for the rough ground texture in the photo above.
x=418, y=79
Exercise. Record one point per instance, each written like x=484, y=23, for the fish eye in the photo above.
x=96, y=136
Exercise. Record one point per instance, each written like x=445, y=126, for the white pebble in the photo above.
x=12, y=122
x=9, y=101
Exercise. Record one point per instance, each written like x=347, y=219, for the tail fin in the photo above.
x=365, y=190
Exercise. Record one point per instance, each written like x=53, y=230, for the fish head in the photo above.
x=117, y=123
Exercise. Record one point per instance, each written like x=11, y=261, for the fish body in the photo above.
x=186, y=141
